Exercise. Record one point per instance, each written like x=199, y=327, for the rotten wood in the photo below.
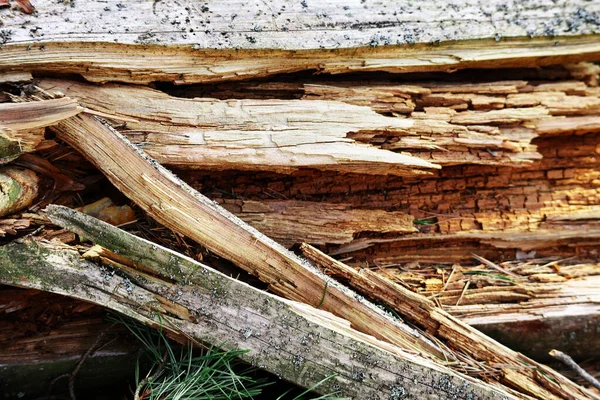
x=445, y=124
x=145, y=40
x=564, y=317
x=293, y=340
x=174, y=204
x=549, y=206
x=289, y=222
x=276, y=135
x=517, y=370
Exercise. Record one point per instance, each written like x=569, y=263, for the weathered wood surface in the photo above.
x=490, y=123
x=277, y=135
x=316, y=222
x=176, y=205
x=21, y=125
x=290, y=339
x=567, y=319
x=492, y=211
x=116, y=41
x=461, y=337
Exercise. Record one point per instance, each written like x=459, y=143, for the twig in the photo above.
x=147, y=379
x=568, y=361
x=83, y=358
x=494, y=265
x=463, y=292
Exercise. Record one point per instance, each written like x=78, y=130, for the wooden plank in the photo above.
x=112, y=41
x=293, y=340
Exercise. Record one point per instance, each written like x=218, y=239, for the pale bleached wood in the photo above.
x=446, y=124
x=517, y=370
x=295, y=341
x=117, y=41
x=276, y=135
x=21, y=124
x=177, y=206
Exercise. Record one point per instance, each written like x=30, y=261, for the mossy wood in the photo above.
x=158, y=286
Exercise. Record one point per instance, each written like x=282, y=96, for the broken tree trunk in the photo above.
x=160, y=287
x=146, y=40
x=275, y=135
x=447, y=124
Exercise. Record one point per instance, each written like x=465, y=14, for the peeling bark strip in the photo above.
x=180, y=208
x=517, y=371
x=290, y=339
x=277, y=135
x=20, y=124
x=334, y=36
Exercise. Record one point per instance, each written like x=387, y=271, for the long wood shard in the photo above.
x=425, y=313
x=277, y=135
x=179, y=207
x=215, y=309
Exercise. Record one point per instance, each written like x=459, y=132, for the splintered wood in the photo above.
x=424, y=313
x=191, y=300
x=275, y=135
x=21, y=125
x=449, y=199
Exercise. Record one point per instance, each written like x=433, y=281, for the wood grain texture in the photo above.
x=177, y=206
x=117, y=41
x=18, y=189
x=574, y=298
x=290, y=222
x=277, y=135
x=424, y=313
x=21, y=124
x=290, y=339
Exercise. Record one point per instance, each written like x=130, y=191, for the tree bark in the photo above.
x=218, y=41
x=290, y=339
